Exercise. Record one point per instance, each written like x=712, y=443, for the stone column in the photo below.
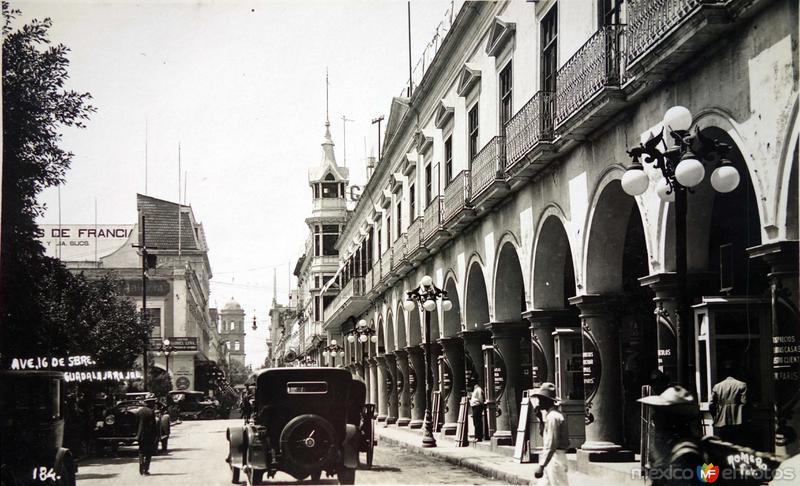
x=372, y=386
x=782, y=257
x=473, y=354
x=665, y=287
x=417, y=364
x=506, y=337
x=391, y=384
x=602, y=381
x=543, y=323
x=404, y=396
x=383, y=393
x=454, y=356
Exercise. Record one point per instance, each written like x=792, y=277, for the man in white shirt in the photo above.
x=552, y=470
x=476, y=401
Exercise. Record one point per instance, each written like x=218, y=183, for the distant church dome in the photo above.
x=232, y=305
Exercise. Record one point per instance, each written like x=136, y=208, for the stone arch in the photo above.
x=553, y=266
x=508, y=286
x=381, y=337
x=389, y=332
x=787, y=210
x=401, y=327
x=476, y=301
x=452, y=319
x=373, y=347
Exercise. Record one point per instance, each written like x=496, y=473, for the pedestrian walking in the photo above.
x=147, y=435
x=552, y=467
x=247, y=408
x=476, y=403
x=727, y=405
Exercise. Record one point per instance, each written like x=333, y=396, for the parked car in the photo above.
x=121, y=423
x=32, y=407
x=303, y=424
x=192, y=404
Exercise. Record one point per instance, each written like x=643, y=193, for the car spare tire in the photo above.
x=308, y=443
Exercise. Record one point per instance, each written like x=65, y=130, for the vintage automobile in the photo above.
x=32, y=408
x=304, y=424
x=362, y=415
x=121, y=423
x=192, y=404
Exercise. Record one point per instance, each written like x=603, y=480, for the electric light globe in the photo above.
x=678, y=118
x=662, y=190
x=351, y=339
x=725, y=178
x=362, y=323
x=333, y=342
x=409, y=305
x=634, y=181
x=690, y=172
x=429, y=305
x=447, y=304
x=374, y=339
x=426, y=281
x=363, y=338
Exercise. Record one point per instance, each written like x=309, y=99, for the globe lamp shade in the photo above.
x=429, y=305
x=426, y=281
x=690, y=172
x=634, y=181
x=725, y=178
x=363, y=338
x=374, y=339
x=678, y=118
x=166, y=342
x=351, y=339
x=341, y=353
x=447, y=304
x=333, y=342
x=663, y=191
x=326, y=353
x=362, y=323
x=409, y=305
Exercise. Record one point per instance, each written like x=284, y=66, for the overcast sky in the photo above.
x=241, y=87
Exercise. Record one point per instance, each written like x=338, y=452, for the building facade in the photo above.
x=231, y=331
x=177, y=279
x=500, y=177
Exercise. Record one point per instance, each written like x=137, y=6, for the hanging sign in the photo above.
x=499, y=373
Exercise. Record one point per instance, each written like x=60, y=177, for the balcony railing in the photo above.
x=488, y=165
x=369, y=280
x=354, y=288
x=531, y=125
x=456, y=195
x=329, y=204
x=399, y=251
x=386, y=263
x=313, y=329
x=650, y=20
x=433, y=218
x=595, y=66
x=414, y=236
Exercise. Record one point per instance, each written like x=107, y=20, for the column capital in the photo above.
x=475, y=335
x=508, y=329
x=595, y=304
x=550, y=317
x=446, y=342
x=371, y=362
x=401, y=353
x=381, y=360
x=435, y=347
x=390, y=357
x=414, y=350
x=780, y=255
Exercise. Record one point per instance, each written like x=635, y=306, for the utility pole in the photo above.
x=145, y=265
x=344, y=138
x=378, y=120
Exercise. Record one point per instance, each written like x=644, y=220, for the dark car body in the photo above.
x=302, y=425
x=32, y=408
x=192, y=404
x=121, y=423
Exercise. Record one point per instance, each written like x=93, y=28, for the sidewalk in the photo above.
x=481, y=459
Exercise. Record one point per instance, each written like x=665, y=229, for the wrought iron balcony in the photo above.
x=531, y=125
x=351, y=300
x=415, y=247
x=582, y=80
x=457, y=196
x=399, y=252
x=386, y=264
x=433, y=218
x=488, y=174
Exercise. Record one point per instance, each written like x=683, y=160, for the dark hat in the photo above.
x=547, y=390
x=675, y=399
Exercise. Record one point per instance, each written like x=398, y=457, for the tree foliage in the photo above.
x=236, y=372
x=45, y=309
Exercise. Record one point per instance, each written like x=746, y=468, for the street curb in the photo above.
x=468, y=463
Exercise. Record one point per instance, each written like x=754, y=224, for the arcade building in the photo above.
x=504, y=176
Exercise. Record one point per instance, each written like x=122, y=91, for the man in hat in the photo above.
x=676, y=446
x=553, y=458
x=147, y=435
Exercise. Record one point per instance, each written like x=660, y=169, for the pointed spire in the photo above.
x=327, y=143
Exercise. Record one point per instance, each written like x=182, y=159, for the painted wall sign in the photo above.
x=106, y=375
x=81, y=243
x=182, y=383
x=155, y=287
x=412, y=380
x=52, y=362
x=592, y=369
x=667, y=343
x=499, y=374
x=471, y=375
x=177, y=343
x=539, y=365
x=447, y=378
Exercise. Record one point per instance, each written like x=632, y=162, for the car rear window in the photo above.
x=306, y=387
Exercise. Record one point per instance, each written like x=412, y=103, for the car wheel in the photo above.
x=346, y=475
x=235, y=475
x=164, y=444
x=308, y=442
x=316, y=476
x=208, y=414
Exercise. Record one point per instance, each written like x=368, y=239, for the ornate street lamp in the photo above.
x=166, y=349
x=255, y=326
x=362, y=333
x=332, y=350
x=682, y=166
x=424, y=298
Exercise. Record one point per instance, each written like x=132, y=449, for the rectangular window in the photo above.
x=380, y=244
x=237, y=346
x=388, y=232
x=306, y=388
x=317, y=309
x=154, y=318
x=609, y=12
x=428, y=184
x=330, y=233
x=399, y=217
x=317, y=240
x=505, y=94
x=473, y=132
x=448, y=160
x=316, y=281
x=549, y=57
x=412, y=203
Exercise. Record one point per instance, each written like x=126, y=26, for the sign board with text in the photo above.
x=177, y=343
x=83, y=242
